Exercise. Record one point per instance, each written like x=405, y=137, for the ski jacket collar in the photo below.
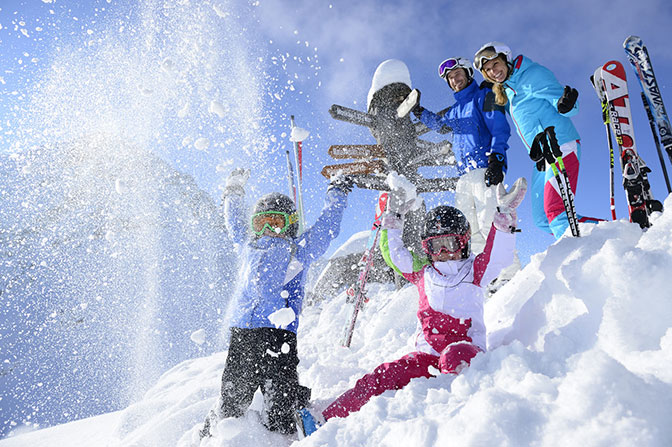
x=467, y=93
x=452, y=273
x=518, y=66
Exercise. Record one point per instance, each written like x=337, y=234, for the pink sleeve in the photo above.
x=415, y=277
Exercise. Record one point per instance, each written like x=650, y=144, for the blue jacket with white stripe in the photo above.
x=273, y=269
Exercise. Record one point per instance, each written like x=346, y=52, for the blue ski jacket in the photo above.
x=479, y=126
x=273, y=269
x=533, y=94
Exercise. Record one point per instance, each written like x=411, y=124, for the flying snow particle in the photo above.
x=198, y=336
x=168, y=65
x=282, y=318
x=120, y=186
x=217, y=108
x=298, y=134
x=285, y=348
x=202, y=144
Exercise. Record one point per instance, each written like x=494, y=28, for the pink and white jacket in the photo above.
x=451, y=300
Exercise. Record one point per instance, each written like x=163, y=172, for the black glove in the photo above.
x=568, y=99
x=417, y=111
x=537, y=151
x=342, y=182
x=494, y=174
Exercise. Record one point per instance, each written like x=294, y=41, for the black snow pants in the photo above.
x=264, y=358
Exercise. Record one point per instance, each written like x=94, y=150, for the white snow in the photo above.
x=282, y=318
x=355, y=244
x=580, y=348
x=198, y=336
x=388, y=72
x=298, y=134
x=202, y=144
x=217, y=108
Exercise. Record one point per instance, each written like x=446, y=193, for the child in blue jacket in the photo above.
x=536, y=100
x=262, y=349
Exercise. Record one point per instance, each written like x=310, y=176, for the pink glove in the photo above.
x=505, y=218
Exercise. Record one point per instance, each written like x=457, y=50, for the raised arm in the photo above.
x=314, y=242
x=235, y=211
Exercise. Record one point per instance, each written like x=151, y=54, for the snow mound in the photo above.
x=580, y=348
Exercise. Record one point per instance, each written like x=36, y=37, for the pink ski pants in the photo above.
x=397, y=374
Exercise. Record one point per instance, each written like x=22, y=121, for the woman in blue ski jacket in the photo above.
x=275, y=260
x=536, y=100
x=480, y=140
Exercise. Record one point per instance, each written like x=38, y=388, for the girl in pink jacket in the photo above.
x=449, y=285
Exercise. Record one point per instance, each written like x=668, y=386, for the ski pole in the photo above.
x=290, y=177
x=656, y=140
x=553, y=156
x=299, y=180
x=605, y=118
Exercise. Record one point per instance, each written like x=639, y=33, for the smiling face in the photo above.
x=496, y=69
x=446, y=256
x=457, y=79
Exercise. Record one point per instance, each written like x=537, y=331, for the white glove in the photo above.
x=236, y=182
x=505, y=218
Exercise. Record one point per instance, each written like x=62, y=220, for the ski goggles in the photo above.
x=276, y=221
x=451, y=243
x=484, y=55
x=450, y=64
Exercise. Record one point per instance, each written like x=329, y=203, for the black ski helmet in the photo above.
x=276, y=201
x=446, y=219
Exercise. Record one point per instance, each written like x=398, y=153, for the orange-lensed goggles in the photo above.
x=276, y=221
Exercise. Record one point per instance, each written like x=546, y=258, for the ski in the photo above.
x=356, y=294
x=656, y=141
x=635, y=182
x=638, y=56
x=596, y=80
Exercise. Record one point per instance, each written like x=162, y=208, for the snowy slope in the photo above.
x=580, y=353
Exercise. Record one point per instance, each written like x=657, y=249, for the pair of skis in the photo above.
x=357, y=292
x=638, y=56
x=610, y=84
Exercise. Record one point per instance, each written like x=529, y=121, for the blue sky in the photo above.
x=150, y=72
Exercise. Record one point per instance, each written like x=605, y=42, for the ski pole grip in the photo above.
x=537, y=153
x=553, y=140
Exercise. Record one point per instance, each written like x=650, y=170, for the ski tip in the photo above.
x=631, y=39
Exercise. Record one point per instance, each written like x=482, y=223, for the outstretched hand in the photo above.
x=341, y=181
x=505, y=218
x=236, y=181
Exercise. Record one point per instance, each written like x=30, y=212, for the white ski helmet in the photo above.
x=489, y=51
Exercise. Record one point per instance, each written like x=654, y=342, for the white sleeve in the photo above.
x=399, y=254
x=498, y=254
